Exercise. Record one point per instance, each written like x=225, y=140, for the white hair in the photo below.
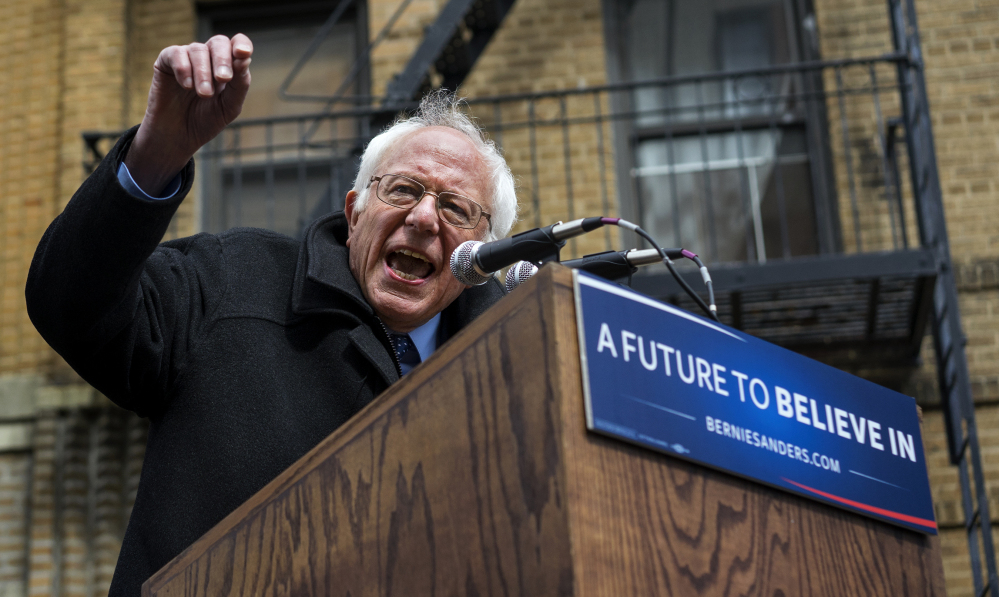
x=442, y=108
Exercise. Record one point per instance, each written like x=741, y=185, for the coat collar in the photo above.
x=322, y=276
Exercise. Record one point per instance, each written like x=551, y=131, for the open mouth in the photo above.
x=409, y=265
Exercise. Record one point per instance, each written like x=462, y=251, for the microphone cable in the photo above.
x=707, y=280
x=711, y=310
x=546, y=243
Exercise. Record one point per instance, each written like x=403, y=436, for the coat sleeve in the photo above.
x=123, y=312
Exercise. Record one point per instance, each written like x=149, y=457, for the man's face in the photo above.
x=400, y=256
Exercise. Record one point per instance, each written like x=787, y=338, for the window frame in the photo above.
x=803, y=42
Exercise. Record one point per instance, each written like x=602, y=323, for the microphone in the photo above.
x=614, y=265
x=473, y=262
x=611, y=265
x=519, y=273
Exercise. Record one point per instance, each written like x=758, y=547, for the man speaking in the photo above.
x=246, y=348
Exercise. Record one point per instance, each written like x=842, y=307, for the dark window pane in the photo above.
x=280, y=175
x=722, y=195
x=721, y=165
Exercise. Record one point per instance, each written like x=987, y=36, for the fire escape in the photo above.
x=843, y=305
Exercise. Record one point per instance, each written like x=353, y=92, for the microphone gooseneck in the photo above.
x=473, y=262
x=610, y=265
x=614, y=265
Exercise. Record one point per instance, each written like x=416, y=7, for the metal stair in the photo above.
x=450, y=47
x=948, y=337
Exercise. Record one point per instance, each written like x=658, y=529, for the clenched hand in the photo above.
x=197, y=90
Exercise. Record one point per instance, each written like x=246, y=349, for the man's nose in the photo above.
x=424, y=214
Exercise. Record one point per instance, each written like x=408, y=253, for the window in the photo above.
x=728, y=166
x=274, y=168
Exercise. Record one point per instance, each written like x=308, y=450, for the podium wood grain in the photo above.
x=475, y=476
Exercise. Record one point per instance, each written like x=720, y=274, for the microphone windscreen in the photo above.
x=462, y=265
x=519, y=273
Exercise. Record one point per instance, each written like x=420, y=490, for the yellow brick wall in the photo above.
x=961, y=49
x=960, y=40
x=73, y=65
x=391, y=55
x=65, y=70
x=31, y=58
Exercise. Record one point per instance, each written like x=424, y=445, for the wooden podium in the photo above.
x=475, y=476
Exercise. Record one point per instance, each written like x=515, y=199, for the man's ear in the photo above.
x=352, y=215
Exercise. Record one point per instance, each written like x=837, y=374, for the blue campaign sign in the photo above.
x=662, y=378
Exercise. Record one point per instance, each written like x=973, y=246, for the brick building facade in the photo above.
x=69, y=461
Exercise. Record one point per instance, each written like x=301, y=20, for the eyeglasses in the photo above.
x=404, y=192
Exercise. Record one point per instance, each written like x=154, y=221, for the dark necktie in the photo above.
x=405, y=350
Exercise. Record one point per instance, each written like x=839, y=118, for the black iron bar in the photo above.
x=848, y=159
x=355, y=70
x=635, y=185
x=535, y=197
x=674, y=187
x=409, y=106
x=885, y=167
x=890, y=141
x=351, y=76
x=567, y=165
x=91, y=138
x=974, y=552
x=775, y=135
x=793, y=67
x=974, y=520
x=709, y=197
x=604, y=196
x=958, y=401
x=745, y=192
x=982, y=500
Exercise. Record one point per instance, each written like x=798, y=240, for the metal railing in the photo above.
x=743, y=166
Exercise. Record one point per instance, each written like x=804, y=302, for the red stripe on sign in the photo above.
x=880, y=511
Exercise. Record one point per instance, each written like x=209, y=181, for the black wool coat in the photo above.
x=244, y=349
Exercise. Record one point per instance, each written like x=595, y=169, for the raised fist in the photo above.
x=196, y=91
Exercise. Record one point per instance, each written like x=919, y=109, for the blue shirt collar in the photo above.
x=425, y=337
